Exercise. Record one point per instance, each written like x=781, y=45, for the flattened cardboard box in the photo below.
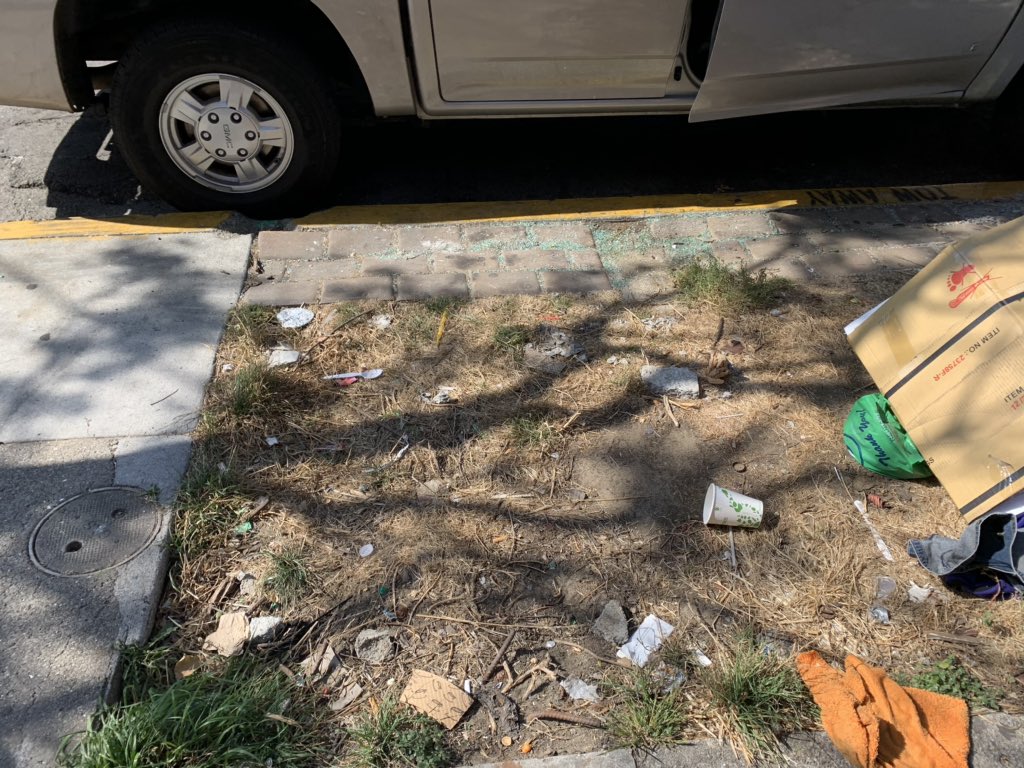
x=947, y=349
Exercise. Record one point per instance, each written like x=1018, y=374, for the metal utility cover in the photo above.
x=99, y=529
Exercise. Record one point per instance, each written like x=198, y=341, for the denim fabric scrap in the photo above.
x=988, y=559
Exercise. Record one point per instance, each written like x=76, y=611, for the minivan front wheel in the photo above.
x=213, y=116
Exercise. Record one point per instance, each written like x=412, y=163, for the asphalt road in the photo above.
x=58, y=165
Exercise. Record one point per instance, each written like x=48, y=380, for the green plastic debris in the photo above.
x=243, y=529
x=877, y=441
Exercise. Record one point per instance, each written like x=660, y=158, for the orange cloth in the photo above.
x=874, y=722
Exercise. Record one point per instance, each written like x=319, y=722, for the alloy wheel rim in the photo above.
x=226, y=133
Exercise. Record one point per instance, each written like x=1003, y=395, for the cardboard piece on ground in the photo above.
x=230, y=636
x=947, y=350
x=436, y=698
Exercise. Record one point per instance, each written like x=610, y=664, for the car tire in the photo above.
x=216, y=116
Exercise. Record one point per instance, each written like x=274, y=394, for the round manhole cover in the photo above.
x=96, y=530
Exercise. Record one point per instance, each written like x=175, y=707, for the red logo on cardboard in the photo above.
x=967, y=281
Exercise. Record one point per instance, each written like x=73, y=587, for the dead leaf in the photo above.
x=187, y=666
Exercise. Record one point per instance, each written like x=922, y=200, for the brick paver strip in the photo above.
x=576, y=282
x=415, y=265
x=678, y=227
x=905, y=256
x=780, y=256
x=291, y=245
x=830, y=265
x=485, y=261
x=281, y=294
x=417, y=287
x=588, y=260
x=739, y=226
x=505, y=284
x=567, y=235
x=359, y=241
x=494, y=235
x=429, y=239
x=358, y=288
x=536, y=258
x=298, y=271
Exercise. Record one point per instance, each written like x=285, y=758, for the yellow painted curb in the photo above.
x=527, y=210
x=126, y=226
x=662, y=205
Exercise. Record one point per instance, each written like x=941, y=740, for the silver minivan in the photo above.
x=243, y=104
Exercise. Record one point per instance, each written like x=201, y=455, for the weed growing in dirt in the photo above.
x=391, y=735
x=250, y=322
x=645, y=715
x=245, y=715
x=442, y=304
x=288, y=577
x=247, y=390
x=531, y=431
x=511, y=336
x=206, y=505
x=953, y=679
x=760, y=697
x=706, y=280
x=145, y=668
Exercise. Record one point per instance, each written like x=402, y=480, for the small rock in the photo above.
x=263, y=628
x=366, y=550
x=579, y=690
x=611, y=625
x=776, y=313
x=282, y=356
x=246, y=584
x=347, y=695
x=670, y=380
x=374, y=646
x=272, y=441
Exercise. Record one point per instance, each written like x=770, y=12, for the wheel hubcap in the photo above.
x=226, y=133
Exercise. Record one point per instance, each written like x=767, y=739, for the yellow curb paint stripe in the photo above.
x=164, y=224
x=661, y=205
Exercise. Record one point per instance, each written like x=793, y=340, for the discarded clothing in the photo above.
x=874, y=722
x=987, y=561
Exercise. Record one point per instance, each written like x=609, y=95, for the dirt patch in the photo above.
x=531, y=499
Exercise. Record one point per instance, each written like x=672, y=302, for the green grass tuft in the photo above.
x=949, y=677
x=760, y=697
x=512, y=337
x=248, y=390
x=247, y=715
x=250, y=322
x=704, y=279
x=645, y=715
x=288, y=578
x=531, y=431
x=392, y=736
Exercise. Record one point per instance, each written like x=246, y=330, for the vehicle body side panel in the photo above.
x=1002, y=67
x=529, y=50
x=801, y=54
x=29, y=72
x=373, y=31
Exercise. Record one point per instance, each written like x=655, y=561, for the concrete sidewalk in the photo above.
x=107, y=346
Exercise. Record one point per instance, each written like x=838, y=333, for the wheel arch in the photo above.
x=102, y=30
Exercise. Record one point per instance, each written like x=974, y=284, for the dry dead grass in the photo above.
x=482, y=525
